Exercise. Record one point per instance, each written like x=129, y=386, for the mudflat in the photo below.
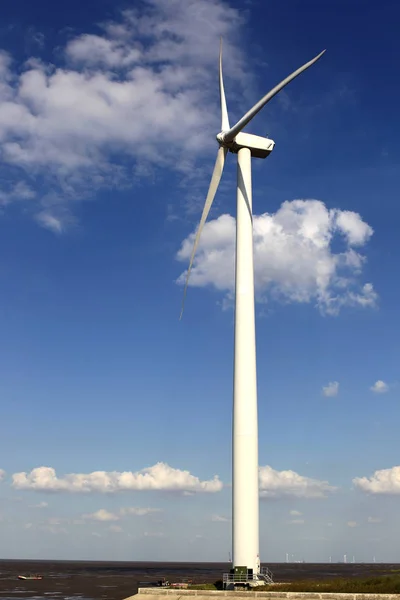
x=117, y=580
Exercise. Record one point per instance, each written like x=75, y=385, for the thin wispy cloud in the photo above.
x=40, y=505
x=374, y=520
x=331, y=390
x=138, y=511
x=352, y=524
x=219, y=519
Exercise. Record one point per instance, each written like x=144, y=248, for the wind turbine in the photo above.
x=245, y=493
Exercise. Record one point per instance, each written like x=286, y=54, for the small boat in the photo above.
x=30, y=577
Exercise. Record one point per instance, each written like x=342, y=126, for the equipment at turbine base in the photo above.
x=245, y=490
x=239, y=572
x=242, y=577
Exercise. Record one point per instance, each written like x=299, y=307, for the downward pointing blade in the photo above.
x=215, y=179
x=230, y=135
x=224, y=110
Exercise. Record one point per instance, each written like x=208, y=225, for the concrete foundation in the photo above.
x=156, y=594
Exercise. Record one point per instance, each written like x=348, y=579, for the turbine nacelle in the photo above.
x=260, y=147
x=232, y=139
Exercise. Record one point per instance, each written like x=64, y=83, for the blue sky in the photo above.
x=116, y=416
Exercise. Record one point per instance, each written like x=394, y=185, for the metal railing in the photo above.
x=267, y=575
x=245, y=578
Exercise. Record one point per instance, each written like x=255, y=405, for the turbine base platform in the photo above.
x=240, y=578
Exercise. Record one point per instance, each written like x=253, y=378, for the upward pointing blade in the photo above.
x=230, y=135
x=224, y=110
x=215, y=179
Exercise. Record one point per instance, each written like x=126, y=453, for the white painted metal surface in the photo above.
x=245, y=524
x=229, y=136
x=260, y=147
x=245, y=423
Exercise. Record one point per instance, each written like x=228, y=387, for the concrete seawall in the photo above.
x=156, y=594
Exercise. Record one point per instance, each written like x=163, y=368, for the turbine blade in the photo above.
x=215, y=179
x=224, y=110
x=230, y=135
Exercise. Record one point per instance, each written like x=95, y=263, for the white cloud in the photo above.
x=2, y=474
x=219, y=519
x=374, y=520
x=158, y=534
x=52, y=524
x=295, y=513
x=289, y=483
x=353, y=227
x=134, y=89
x=331, y=390
x=159, y=477
x=40, y=505
x=294, y=256
x=54, y=521
x=139, y=512
x=352, y=524
x=115, y=528
x=95, y=50
x=380, y=387
x=15, y=191
x=50, y=221
x=56, y=530
x=385, y=481
x=102, y=515
x=297, y=522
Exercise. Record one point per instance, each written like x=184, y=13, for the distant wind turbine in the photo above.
x=245, y=501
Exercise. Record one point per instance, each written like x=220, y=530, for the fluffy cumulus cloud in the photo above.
x=2, y=474
x=385, y=481
x=380, y=387
x=289, y=483
x=159, y=477
x=331, y=390
x=303, y=253
x=133, y=90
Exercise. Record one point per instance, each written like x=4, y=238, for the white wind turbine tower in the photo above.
x=245, y=493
